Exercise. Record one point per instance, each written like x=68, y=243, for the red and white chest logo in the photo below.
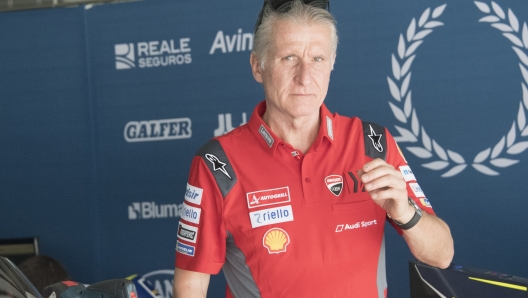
x=334, y=184
x=268, y=197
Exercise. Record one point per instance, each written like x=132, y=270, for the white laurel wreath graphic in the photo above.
x=399, y=89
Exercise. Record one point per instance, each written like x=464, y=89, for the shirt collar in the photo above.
x=270, y=141
x=327, y=128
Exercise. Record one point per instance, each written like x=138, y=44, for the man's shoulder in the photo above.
x=225, y=141
x=354, y=122
x=358, y=131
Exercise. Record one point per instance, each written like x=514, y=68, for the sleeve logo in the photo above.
x=187, y=232
x=193, y=194
x=407, y=173
x=376, y=139
x=185, y=249
x=218, y=165
x=417, y=190
x=191, y=214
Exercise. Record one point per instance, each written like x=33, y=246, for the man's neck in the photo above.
x=299, y=132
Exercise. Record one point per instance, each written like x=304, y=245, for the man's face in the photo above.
x=297, y=72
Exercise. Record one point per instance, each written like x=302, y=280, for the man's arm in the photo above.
x=190, y=284
x=430, y=240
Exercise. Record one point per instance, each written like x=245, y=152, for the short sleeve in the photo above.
x=201, y=237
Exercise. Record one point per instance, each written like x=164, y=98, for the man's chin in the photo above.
x=303, y=112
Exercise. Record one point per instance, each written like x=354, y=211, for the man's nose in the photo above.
x=303, y=74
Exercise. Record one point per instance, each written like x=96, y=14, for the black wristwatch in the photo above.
x=414, y=220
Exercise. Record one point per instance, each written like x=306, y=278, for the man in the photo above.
x=293, y=203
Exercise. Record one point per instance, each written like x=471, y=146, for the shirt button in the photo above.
x=307, y=180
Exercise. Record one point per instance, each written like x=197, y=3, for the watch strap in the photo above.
x=414, y=220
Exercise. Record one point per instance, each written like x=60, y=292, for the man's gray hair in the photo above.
x=299, y=13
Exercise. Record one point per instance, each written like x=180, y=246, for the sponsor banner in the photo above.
x=191, y=214
x=158, y=130
x=417, y=190
x=151, y=210
x=407, y=173
x=152, y=54
x=193, y=194
x=184, y=249
x=187, y=232
x=271, y=216
x=268, y=197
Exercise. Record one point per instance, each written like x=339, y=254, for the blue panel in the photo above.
x=46, y=148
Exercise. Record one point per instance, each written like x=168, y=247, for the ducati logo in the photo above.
x=334, y=184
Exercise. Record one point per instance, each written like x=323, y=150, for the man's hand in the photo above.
x=387, y=188
x=429, y=240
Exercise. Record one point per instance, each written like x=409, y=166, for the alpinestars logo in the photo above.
x=375, y=139
x=152, y=53
x=218, y=165
x=151, y=210
x=334, y=184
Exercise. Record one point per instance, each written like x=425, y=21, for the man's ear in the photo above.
x=255, y=67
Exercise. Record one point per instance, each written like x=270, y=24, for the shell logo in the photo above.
x=276, y=240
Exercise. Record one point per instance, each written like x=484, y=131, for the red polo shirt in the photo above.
x=286, y=224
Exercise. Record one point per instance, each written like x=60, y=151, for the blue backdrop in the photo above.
x=102, y=108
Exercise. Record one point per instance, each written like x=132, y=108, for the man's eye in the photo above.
x=288, y=58
x=318, y=59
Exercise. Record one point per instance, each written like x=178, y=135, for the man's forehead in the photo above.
x=282, y=25
x=291, y=33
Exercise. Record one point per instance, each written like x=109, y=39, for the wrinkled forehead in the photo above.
x=286, y=33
